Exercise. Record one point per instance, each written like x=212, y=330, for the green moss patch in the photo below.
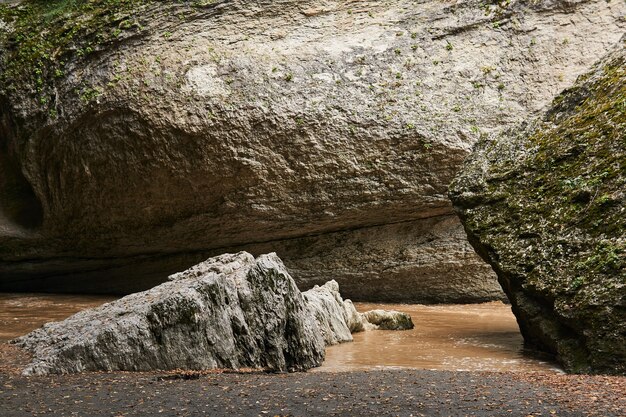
x=550, y=213
x=44, y=36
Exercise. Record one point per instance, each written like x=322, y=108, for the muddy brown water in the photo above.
x=477, y=337
x=23, y=313
x=457, y=337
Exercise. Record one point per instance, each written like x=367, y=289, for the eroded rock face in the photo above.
x=325, y=131
x=545, y=205
x=230, y=312
x=334, y=316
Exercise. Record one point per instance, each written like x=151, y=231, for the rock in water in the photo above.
x=331, y=312
x=354, y=318
x=231, y=311
x=151, y=135
x=387, y=320
x=546, y=207
x=338, y=318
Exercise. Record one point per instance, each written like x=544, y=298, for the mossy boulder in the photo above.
x=545, y=205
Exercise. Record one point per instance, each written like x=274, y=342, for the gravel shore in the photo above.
x=364, y=393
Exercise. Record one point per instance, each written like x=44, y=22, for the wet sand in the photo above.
x=23, y=313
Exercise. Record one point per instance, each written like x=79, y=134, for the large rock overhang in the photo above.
x=330, y=137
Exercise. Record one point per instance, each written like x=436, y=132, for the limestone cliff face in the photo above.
x=546, y=205
x=145, y=138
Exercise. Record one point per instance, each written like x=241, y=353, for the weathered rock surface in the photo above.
x=545, y=205
x=230, y=312
x=143, y=139
x=387, y=320
x=334, y=317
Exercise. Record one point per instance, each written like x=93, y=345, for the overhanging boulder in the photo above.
x=545, y=206
x=138, y=138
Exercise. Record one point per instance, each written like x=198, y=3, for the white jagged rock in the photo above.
x=232, y=311
x=327, y=307
x=353, y=317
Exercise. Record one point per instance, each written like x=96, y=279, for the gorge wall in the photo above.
x=141, y=140
x=544, y=205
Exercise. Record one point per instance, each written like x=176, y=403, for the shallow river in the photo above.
x=473, y=337
x=478, y=337
x=22, y=313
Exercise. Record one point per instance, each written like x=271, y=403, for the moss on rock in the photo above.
x=42, y=40
x=42, y=37
x=545, y=206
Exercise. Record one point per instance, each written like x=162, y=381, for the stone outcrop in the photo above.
x=545, y=206
x=387, y=320
x=145, y=138
x=338, y=318
x=230, y=312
